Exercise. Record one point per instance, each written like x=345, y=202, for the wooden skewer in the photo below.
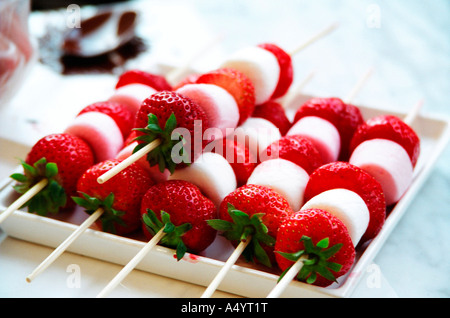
x=64, y=245
x=24, y=198
x=175, y=75
x=128, y=161
x=287, y=278
x=315, y=37
x=132, y=264
x=224, y=270
x=286, y=101
x=413, y=113
x=357, y=88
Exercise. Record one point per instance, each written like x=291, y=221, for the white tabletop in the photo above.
x=407, y=45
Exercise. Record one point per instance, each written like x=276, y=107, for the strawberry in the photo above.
x=240, y=158
x=273, y=112
x=187, y=209
x=345, y=117
x=309, y=233
x=253, y=210
x=297, y=149
x=392, y=128
x=62, y=159
x=286, y=69
x=120, y=198
x=171, y=110
x=350, y=177
x=237, y=84
x=155, y=81
x=120, y=113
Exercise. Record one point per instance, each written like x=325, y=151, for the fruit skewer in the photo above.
x=319, y=194
x=181, y=225
x=115, y=206
x=51, y=170
x=152, y=146
x=243, y=244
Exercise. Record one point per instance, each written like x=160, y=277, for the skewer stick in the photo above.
x=132, y=264
x=224, y=270
x=64, y=245
x=412, y=114
x=128, y=161
x=24, y=198
x=287, y=278
x=357, y=88
x=174, y=75
x=315, y=37
x=286, y=100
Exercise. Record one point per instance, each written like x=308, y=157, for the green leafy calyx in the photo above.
x=315, y=260
x=52, y=197
x=162, y=155
x=244, y=227
x=173, y=234
x=109, y=217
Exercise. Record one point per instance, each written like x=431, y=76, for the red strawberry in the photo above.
x=345, y=117
x=120, y=113
x=297, y=149
x=345, y=175
x=312, y=231
x=286, y=69
x=158, y=82
x=62, y=159
x=273, y=112
x=258, y=209
x=171, y=110
x=120, y=198
x=392, y=128
x=237, y=84
x=240, y=158
x=187, y=208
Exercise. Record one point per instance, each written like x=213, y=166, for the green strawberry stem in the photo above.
x=109, y=217
x=314, y=259
x=173, y=237
x=162, y=155
x=51, y=197
x=243, y=228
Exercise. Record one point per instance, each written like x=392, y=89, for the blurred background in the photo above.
x=405, y=42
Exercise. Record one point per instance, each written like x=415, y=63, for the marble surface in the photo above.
x=406, y=43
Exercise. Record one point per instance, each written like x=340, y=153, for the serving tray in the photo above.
x=244, y=279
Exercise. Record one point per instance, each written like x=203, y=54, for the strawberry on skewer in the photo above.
x=114, y=206
x=388, y=148
x=156, y=122
x=51, y=171
x=314, y=244
x=175, y=215
x=249, y=218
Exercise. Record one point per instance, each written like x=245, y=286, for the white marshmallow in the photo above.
x=347, y=206
x=219, y=105
x=260, y=66
x=211, y=173
x=101, y=133
x=322, y=133
x=284, y=177
x=132, y=95
x=257, y=134
x=388, y=163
